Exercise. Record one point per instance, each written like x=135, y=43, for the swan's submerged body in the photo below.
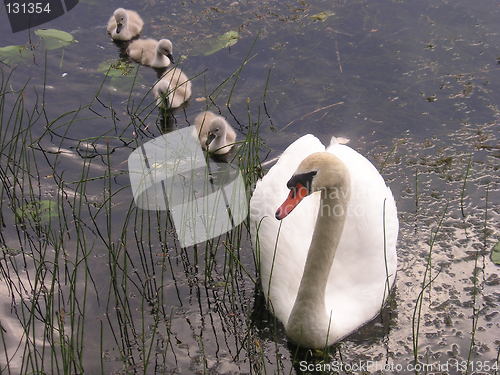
x=349, y=270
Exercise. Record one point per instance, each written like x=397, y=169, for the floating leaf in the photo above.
x=116, y=68
x=220, y=284
x=321, y=16
x=39, y=212
x=210, y=46
x=121, y=74
x=14, y=54
x=495, y=254
x=54, y=39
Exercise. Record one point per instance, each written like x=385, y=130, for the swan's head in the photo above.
x=165, y=48
x=319, y=171
x=121, y=18
x=216, y=136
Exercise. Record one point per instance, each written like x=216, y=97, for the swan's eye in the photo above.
x=304, y=179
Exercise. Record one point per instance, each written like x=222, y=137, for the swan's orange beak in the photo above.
x=298, y=193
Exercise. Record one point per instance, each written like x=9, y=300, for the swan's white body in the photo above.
x=209, y=125
x=131, y=24
x=151, y=52
x=357, y=282
x=173, y=89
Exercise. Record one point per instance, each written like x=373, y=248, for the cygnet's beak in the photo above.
x=210, y=138
x=119, y=27
x=171, y=58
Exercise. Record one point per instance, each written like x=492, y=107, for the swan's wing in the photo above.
x=180, y=95
x=134, y=30
x=202, y=123
x=177, y=86
x=142, y=50
x=282, y=262
x=184, y=92
x=135, y=22
x=181, y=86
x=357, y=283
x=111, y=25
x=391, y=231
x=230, y=134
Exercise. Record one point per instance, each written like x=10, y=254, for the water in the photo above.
x=411, y=84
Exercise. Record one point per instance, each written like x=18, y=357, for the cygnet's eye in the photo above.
x=216, y=130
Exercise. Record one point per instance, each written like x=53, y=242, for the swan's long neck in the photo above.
x=219, y=141
x=159, y=57
x=124, y=28
x=309, y=317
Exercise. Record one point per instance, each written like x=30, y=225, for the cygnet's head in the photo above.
x=216, y=134
x=165, y=48
x=121, y=18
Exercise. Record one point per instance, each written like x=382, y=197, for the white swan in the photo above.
x=173, y=89
x=328, y=272
x=150, y=52
x=215, y=133
x=124, y=24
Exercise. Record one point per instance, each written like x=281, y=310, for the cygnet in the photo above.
x=214, y=132
x=156, y=54
x=124, y=24
x=173, y=89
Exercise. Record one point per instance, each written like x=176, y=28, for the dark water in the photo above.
x=413, y=85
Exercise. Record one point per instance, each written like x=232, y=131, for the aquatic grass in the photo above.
x=417, y=311
x=476, y=270
x=65, y=337
x=462, y=192
x=387, y=288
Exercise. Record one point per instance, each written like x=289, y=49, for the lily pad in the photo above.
x=121, y=74
x=322, y=16
x=14, y=54
x=54, y=39
x=39, y=212
x=116, y=68
x=495, y=254
x=210, y=46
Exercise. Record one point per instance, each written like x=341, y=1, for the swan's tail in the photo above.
x=339, y=140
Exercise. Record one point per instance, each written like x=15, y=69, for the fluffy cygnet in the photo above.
x=173, y=89
x=156, y=54
x=215, y=133
x=124, y=24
